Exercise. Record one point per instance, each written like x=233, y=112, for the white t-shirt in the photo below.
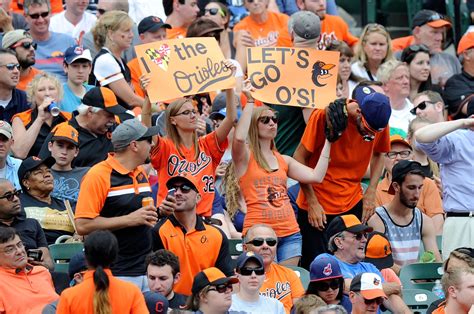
x=107, y=70
x=264, y=305
x=60, y=24
x=359, y=70
x=399, y=119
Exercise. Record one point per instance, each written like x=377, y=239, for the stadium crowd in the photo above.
x=160, y=194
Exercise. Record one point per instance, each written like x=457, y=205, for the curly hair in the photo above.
x=33, y=86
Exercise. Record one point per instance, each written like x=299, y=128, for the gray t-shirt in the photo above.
x=67, y=183
x=263, y=305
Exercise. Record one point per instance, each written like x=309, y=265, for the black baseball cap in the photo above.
x=432, y=18
x=347, y=223
x=151, y=24
x=401, y=168
x=32, y=163
x=210, y=276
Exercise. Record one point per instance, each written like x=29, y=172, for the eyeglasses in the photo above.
x=369, y=132
x=12, y=248
x=325, y=285
x=26, y=44
x=402, y=154
x=187, y=113
x=185, y=188
x=422, y=106
x=214, y=11
x=37, y=15
x=359, y=236
x=101, y=11
x=11, y=66
x=10, y=195
x=222, y=288
x=266, y=119
x=259, y=241
x=378, y=300
x=247, y=271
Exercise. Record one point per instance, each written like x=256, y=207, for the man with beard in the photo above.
x=402, y=222
x=21, y=42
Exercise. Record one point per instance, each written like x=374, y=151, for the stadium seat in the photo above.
x=62, y=253
x=420, y=275
x=418, y=300
x=303, y=274
x=235, y=247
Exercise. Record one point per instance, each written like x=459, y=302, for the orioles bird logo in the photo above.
x=376, y=281
x=321, y=71
x=327, y=270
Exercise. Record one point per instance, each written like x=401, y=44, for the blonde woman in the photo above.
x=263, y=173
x=373, y=49
x=113, y=35
x=31, y=127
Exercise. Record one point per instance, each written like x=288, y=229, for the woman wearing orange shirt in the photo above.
x=263, y=175
x=100, y=291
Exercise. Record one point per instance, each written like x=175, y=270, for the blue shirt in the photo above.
x=11, y=172
x=71, y=101
x=455, y=154
x=349, y=271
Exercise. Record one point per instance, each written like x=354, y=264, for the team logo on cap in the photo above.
x=160, y=57
x=376, y=281
x=78, y=50
x=321, y=72
x=366, y=90
x=35, y=158
x=156, y=19
x=250, y=253
x=327, y=271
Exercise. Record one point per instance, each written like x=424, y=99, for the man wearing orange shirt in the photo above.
x=458, y=286
x=363, y=142
x=21, y=42
x=333, y=27
x=24, y=288
x=280, y=282
x=180, y=14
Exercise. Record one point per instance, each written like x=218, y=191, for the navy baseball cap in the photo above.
x=151, y=24
x=155, y=302
x=247, y=256
x=375, y=107
x=75, y=53
x=77, y=264
x=324, y=268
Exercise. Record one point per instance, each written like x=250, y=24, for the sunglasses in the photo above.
x=185, y=188
x=247, y=271
x=403, y=154
x=325, y=285
x=11, y=66
x=26, y=44
x=259, y=241
x=214, y=11
x=10, y=195
x=266, y=119
x=37, y=15
x=378, y=300
x=221, y=288
x=101, y=11
x=416, y=48
x=369, y=132
x=422, y=106
x=359, y=236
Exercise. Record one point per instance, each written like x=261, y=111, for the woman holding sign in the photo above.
x=262, y=173
x=184, y=152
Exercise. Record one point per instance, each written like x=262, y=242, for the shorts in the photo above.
x=140, y=281
x=289, y=247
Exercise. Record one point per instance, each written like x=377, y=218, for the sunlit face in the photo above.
x=186, y=197
x=375, y=46
x=353, y=245
x=78, y=72
x=26, y=57
x=330, y=296
x=266, y=251
x=318, y=7
x=9, y=78
x=420, y=67
x=464, y=292
x=123, y=36
x=214, y=12
x=40, y=179
x=8, y=209
x=430, y=111
x=101, y=122
x=188, y=11
x=77, y=7
x=399, y=83
x=13, y=254
x=186, y=118
x=267, y=124
x=410, y=189
x=430, y=37
x=344, y=67
x=40, y=25
x=398, y=152
x=253, y=282
x=256, y=7
x=63, y=152
x=46, y=89
x=359, y=305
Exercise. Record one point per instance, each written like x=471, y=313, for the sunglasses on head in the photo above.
x=221, y=288
x=214, y=11
x=259, y=241
x=266, y=119
x=247, y=271
x=10, y=195
x=11, y=66
x=416, y=48
x=185, y=188
x=36, y=16
x=26, y=45
x=325, y=285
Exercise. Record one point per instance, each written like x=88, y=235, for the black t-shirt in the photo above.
x=178, y=301
x=457, y=88
x=53, y=218
x=30, y=231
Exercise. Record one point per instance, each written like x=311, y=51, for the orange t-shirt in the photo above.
x=266, y=196
x=350, y=156
x=430, y=202
x=23, y=83
x=283, y=284
x=17, y=6
x=401, y=43
x=135, y=72
x=333, y=27
x=25, y=292
x=167, y=161
x=390, y=276
x=272, y=33
x=176, y=32
x=440, y=308
x=124, y=297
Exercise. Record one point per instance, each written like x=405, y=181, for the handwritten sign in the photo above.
x=293, y=76
x=182, y=67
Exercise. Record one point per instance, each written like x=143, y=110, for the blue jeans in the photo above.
x=140, y=281
x=289, y=247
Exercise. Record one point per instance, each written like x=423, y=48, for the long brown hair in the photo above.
x=254, y=140
x=171, y=129
x=232, y=190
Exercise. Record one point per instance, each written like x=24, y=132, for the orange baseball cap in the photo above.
x=396, y=138
x=210, y=276
x=378, y=251
x=369, y=285
x=466, y=42
x=65, y=132
x=347, y=223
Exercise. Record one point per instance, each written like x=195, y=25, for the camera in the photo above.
x=36, y=255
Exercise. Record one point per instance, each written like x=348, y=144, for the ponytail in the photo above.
x=101, y=300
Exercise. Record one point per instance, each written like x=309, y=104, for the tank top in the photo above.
x=404, y=240
x=266, y=196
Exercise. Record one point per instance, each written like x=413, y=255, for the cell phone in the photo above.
x=36, y=255
x=171, y=192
